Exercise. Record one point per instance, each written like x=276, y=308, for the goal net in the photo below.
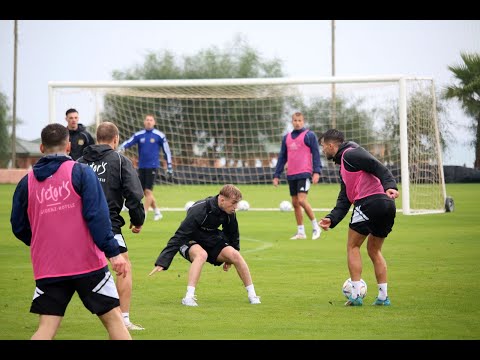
x=230, y=130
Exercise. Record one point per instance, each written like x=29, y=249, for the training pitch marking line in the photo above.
x=251, y=209
x=266, y=209
x=264, y=244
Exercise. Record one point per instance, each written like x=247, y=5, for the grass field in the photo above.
x=433, y=263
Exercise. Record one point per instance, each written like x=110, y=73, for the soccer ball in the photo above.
x=347, y=288
x=243, y=205
x=285, y=206
x=188, y=204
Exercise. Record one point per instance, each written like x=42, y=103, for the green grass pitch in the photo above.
x=433, y=268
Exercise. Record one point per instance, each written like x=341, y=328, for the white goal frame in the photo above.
x=402, y=104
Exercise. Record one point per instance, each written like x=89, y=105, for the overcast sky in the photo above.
x=89, y=50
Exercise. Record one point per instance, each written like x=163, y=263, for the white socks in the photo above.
x=315, y=224
x=300, y=229
x=126, y=318
x=190, y=292
x=251, y=290
x=382, y=291
x=356, y=289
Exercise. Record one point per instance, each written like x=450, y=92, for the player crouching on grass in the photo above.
x=370, y=187
x=199, y=240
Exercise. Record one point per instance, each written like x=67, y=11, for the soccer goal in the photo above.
x=230, y=130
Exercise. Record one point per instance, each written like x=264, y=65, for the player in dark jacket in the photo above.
x=80, y=138
x=199, y=240
x=120, y=183
x=371, y=188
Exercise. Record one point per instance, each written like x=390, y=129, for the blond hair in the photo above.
x=230, y=191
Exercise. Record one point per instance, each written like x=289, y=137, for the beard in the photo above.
x=330, y=157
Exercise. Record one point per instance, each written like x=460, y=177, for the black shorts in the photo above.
x=212, y=251
x=147, y=178
x=299, y=186
x=97, y=292
x=374, y=215
x=121, y=243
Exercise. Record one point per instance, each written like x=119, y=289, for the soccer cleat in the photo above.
x=254, y=300
x=157, y=216
x=354, y=302
x=190, y=301
x=379, y=302
x=316, y=233
x=298, y=237
x=132, y=326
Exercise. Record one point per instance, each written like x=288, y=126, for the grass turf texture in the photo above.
x=432, y=263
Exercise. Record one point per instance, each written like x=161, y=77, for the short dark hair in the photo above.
x=106, y=131
x=54, y=135
x=71, y=110
x=333, y=135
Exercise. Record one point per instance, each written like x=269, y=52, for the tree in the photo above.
x=349, y=113
x=238, y=61
x=4, y=136
x=467, y=91
x=419, y=110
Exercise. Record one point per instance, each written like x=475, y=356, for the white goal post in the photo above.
x=230, y=130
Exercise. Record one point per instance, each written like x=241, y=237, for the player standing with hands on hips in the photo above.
x=367, y=184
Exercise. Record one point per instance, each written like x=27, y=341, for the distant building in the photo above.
x=27, y=153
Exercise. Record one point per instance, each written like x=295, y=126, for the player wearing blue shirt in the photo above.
x=150, y=141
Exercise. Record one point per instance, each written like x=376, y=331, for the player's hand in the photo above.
x=316, y=178
x=120, y=265
x=170, y=170
x=135, y=229
x=226, y=266
x=156, y=269
x=275, y=182
x=392, y=193
x=325, y=223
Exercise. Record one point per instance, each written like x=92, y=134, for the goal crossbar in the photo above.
x=413, y=114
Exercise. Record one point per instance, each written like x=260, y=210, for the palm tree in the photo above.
x=468, y=93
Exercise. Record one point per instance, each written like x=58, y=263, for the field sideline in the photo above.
x=432, y=261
